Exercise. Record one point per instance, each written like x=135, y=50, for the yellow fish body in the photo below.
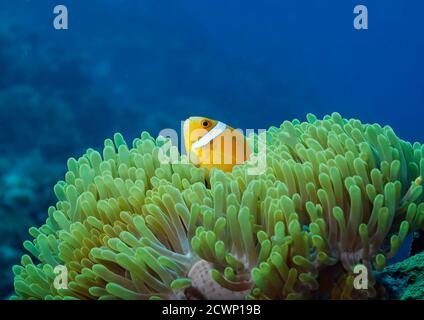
x=213, y=144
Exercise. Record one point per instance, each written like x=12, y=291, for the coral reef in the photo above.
x=9, y=256
x=40, y=85
x=39, y=110
x=335, y=193
x=26, y=184
x=50, y=94
x=404, y=280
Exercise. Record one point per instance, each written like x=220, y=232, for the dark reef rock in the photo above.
x=418, y=243
x=9, y=255
x=404, y=280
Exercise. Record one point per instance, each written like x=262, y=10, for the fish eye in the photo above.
x=205, y=123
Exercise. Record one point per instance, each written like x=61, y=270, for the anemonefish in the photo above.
x=213, y=144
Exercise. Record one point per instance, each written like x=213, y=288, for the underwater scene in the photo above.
x=211, y=150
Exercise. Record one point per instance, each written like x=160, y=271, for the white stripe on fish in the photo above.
x=211, y=135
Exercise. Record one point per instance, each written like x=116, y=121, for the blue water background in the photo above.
x=251, y=64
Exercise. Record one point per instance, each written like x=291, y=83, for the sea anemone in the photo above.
x=335, y=194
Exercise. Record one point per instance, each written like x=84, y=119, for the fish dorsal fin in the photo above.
x=209, y=136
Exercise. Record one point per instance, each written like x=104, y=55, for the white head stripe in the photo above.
x=208, y=137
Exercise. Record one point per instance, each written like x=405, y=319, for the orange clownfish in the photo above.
x=213, y=144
